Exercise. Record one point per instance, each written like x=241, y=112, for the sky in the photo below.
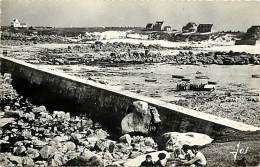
x=225, y=15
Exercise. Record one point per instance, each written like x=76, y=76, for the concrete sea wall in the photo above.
x=107, y=104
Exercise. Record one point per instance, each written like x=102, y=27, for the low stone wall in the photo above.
x=107, y=104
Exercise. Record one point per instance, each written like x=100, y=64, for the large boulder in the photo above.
x=4, y=160
x=48, y=152
x=18, y=150
x=58, y=160
x=135, y=154
x=29, y=116
x=125, y=139
x=61, y=148
x=16, y=160
x=107, y=156
x=189, y=138
x=101, y=134
x=41, y=163
x=26, y=133
x=149, y=142
x=60, y=115
x=39, y=109
x=70, y=146
x=61, y=138
x=141, y=107
x=76, y=136
x=18, y=143
x=32, y=153
x=38, y=143
x=27, y=161
x=13, y=114
x=118, y=156
x=105, y=144
x=92, y=141
x=123, y=148
x=86, y=154
x=5, y=121
x=72, y=154
x=45, y=116
x=134, y=122
x=138, y=120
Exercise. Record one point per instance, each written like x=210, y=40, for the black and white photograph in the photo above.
x=130, y=83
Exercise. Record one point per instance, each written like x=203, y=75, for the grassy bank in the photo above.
x=221, y=153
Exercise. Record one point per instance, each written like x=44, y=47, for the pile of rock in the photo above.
x=40, y=138
x=220, y=58
x=28, y=38
x=32, y=136
x=125, y=53
x=145, y=56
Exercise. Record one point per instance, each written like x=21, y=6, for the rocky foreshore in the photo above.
x=220, y=58
x=10, y=38
x=32, y=136
x=121, y=53
x=137, y=57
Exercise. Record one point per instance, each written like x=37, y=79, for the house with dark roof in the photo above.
x=251, y=37
x=158, y=26
x=149, y=27
x=190, y=27
x=253, y=32
x=203, y=28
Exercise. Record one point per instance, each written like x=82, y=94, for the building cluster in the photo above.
x=157, y=26
x=251, y=37
x=253, y=32
x=188, y=28
x=200, y=28
x=16, y=24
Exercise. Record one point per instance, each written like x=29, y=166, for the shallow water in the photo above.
x=235, y=78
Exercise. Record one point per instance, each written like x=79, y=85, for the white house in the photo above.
x=16, y=23
x=167, y=28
